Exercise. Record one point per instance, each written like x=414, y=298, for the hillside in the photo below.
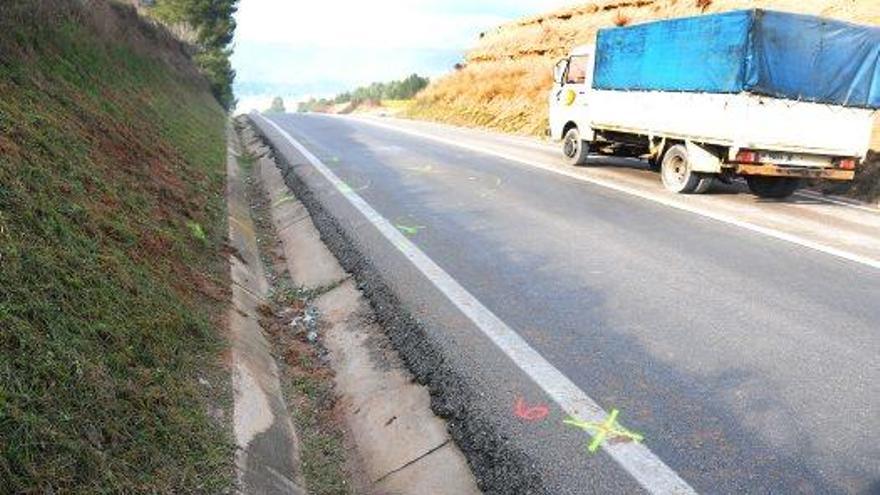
x=113, y=279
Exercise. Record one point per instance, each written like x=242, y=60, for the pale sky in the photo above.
x=319, y=48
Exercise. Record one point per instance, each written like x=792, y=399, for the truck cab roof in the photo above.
x=583, y=50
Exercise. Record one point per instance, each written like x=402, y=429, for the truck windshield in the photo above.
x=577, y=69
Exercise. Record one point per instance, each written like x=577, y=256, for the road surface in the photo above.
x=738, y=337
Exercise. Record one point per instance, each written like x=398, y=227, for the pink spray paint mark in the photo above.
x=529, y=413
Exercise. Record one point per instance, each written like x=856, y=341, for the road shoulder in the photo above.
x=401, y=446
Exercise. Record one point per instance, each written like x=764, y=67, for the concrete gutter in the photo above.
x=403, y=448
x=267, y=455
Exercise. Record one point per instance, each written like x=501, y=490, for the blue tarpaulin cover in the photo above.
x=779, y=54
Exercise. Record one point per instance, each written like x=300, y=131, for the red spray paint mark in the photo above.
x=530, y=413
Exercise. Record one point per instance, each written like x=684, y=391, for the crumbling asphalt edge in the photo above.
x=498, y=467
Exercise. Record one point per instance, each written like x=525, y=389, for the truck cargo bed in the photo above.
x=740, y=120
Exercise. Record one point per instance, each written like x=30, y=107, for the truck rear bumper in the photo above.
x=799, y=172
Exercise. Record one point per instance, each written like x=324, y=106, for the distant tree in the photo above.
x=306, y=106
x=394, y=90
x=277, y=106
x=214, y=64
x=402, y=89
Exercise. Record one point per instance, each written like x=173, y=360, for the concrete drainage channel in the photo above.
x=401, y=447
x=499, y=466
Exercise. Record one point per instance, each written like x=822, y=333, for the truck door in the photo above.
x=568, y=99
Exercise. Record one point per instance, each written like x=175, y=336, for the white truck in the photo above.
x=773, y=97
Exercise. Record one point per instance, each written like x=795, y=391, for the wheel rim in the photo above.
x=570, y=146
x=675, y=171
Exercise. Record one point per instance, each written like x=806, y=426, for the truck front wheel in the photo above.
x=772, y=187
x=677, y=174
x=574, y=148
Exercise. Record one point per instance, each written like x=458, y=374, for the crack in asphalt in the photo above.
x=411, y=462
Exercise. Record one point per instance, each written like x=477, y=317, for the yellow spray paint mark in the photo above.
x=345, y=188
x=287, y=197
x=424, y=169
x=408, y=230
x=609, y=428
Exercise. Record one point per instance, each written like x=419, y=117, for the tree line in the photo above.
x=214, y=27
x=401, y=89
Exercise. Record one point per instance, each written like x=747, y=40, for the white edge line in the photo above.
x=784, y=236
x=837, y=201
x=635, y=458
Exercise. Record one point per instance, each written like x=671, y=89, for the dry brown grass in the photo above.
x=502, y=95
x=506, y=77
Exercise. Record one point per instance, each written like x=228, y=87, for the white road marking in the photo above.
x=838, y=201
x=657, y=198
x=645, y=467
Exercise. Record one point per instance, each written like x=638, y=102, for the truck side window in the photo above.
x=577, y=69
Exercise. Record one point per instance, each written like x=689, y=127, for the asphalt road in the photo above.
x=747, y=361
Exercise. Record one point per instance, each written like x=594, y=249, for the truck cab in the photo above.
x=568, y=103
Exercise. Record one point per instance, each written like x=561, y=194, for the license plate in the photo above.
x=779, y=158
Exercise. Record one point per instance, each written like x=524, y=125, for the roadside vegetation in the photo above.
x=113, y=273
x=374, y=94
x=277, y=106
x=211, y=26
x=503, y=81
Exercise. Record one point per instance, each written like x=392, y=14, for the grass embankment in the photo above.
x=504, y=81
x=112, y=278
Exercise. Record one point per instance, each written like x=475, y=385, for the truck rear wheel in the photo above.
x=772, y=187
x=574, y=148
x=677, y=175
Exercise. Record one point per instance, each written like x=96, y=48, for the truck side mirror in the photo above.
x=559, y=70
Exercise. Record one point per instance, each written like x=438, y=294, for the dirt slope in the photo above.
x=112, y=272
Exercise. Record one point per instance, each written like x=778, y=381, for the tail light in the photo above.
x=746, y=156
x=847, y=164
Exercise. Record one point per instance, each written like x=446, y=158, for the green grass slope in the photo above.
x=113, y=280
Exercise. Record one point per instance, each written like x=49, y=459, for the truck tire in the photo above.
x=772, y=187
x=575, y=149
x=676, y=173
